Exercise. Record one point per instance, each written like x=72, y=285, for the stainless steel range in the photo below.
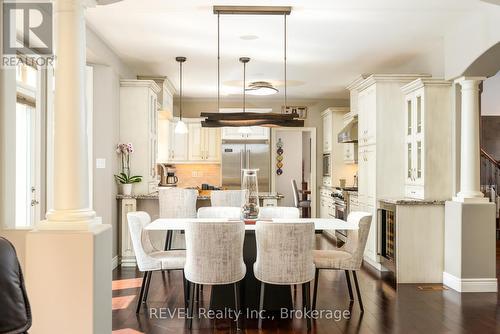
x=341, y=204
x=340, y=209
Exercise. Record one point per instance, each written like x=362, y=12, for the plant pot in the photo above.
x=126, y=189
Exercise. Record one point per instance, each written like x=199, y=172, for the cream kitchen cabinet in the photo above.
x=139, y=126
x=327, y=118
x=350, y=152
x=326, y=203
x=254, y=133
x=204, y=143
x=381, y=151
x=367, y=126
x=173, y=147
x=427, y=112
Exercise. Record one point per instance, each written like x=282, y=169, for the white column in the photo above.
x=68, y=258
x=70, y=187
x=470, y=190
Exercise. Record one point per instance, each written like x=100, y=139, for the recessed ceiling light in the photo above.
x=249, y=37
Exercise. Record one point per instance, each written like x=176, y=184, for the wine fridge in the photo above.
x=387, y=235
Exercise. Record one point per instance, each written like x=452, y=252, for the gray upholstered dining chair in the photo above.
x=228, y=212
x=214, y=256
x=349, y=257
x=234, y=198
x=281, y=212
x=284, y=257
x=148, y=258
x=176, y=203
x=300, y=204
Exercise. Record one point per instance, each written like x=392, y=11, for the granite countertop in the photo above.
x=262, y=195
x=411, y=201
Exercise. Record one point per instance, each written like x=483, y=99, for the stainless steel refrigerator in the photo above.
x=240, y=154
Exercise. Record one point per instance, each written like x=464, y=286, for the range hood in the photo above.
x=349, y=134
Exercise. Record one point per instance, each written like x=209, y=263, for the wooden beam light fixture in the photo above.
x=244, y=119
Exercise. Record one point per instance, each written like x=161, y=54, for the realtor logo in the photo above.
x=27, y=28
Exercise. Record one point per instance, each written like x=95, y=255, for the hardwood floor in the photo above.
x=405, y=309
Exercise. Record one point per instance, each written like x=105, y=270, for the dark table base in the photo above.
x=276, y=297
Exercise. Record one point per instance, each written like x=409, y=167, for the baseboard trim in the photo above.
x=470, y=284
x=114, y=262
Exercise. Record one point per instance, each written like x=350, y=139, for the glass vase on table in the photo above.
x=250, y=209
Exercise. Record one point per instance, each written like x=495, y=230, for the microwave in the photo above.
x=326, y=164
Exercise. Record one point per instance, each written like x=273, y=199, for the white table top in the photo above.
x=320, y=224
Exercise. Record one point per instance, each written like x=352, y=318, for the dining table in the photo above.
x=277, y=297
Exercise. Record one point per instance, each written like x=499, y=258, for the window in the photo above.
x=28, y=146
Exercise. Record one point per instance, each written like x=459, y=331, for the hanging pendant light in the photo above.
x=246, y=119
x=180, y=127
x=244, y=129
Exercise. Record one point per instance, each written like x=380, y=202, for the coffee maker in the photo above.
x=168, y=178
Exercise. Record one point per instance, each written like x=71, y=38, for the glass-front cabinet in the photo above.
x=427, y=109
x=414, y=138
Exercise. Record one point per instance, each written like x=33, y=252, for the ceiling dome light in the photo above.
x=261, y=88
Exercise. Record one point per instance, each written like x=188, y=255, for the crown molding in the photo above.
x=399, y=78
x=356, y=82
x=422, y=82
x=140, y=83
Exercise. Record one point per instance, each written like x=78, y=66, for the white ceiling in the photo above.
x=330, y=42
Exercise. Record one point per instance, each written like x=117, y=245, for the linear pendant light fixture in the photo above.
x=180, y=127
x=245, y=119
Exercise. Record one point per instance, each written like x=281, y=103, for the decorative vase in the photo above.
x=126, y=189
x=250, y=210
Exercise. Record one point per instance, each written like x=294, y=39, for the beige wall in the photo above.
x=108, y=70
x=490, y=98
x=470, y=36
x=106, y=114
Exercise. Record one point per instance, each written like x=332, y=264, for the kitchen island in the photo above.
x=410, y=238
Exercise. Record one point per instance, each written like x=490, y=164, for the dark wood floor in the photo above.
x=405, y=309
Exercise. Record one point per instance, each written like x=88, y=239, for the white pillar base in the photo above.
x=68, y=280
x=470, y=247
x=68, y=224
x=467, y=198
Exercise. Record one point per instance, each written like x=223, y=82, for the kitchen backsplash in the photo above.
x=193, y=175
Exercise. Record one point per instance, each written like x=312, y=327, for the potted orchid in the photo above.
x=124, y=179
